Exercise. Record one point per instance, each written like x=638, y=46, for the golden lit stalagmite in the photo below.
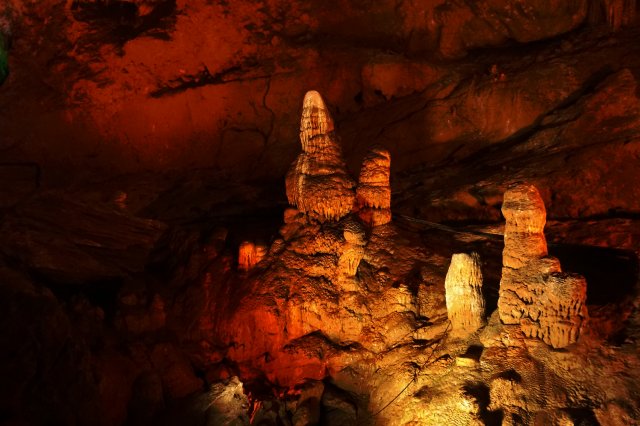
x=534, y=292
x=374, y=191
x=318, y=183
x=463, y=287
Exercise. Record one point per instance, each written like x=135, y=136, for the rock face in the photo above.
x=318, y=183
x=374, y=190
x=463, y=286
x=548, y=304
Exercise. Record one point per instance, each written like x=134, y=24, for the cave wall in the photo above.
x=99, y=88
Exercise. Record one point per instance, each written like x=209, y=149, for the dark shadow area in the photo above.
x=120, y=21
x=339, y=407
x=474, y=352
x=480, y=392
x=611, y=274
x=582, y=416
x=103, y=294
x=511, y=375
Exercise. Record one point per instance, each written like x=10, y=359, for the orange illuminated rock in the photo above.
x=463, y=286
x=534, y=293
x=374, y=191
x=249, y=254
x=317, y=182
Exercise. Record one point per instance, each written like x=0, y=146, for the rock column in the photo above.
x=548, y=304
x=374, y=191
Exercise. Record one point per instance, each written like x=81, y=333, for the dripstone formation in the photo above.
x=534, y=292
x=318, y=183
x=249, y=254
x=463, y=286
x=374, y=191
x=334, y=277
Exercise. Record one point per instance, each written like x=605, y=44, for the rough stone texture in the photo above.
x=318, y=183
x=373, y=193
x=144, y=344
x=463, y=286
x=534, y=293
x=343, y=292
x=120, y=295
x=216, y=82
x=74, y=243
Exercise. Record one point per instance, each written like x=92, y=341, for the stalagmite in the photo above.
x=249, y=254
x=355, y=241
x=548, y=304
x=374, y=191
x=317, y=182
x=463, y=287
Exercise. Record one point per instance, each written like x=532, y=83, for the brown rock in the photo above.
x=374, y=191
x=318, y=183
x=534, y=293
x=463, y=286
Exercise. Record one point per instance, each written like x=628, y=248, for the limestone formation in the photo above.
x=463, y=286
x=317, y=182
x=353, y=249
x=374, y=191
x=560, y=311
x=534, y=293
x=249, y=254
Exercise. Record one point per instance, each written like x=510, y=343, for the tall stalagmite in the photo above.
x=318, y=183
x=534, y=292
x=374, y=191
x=463, y=287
